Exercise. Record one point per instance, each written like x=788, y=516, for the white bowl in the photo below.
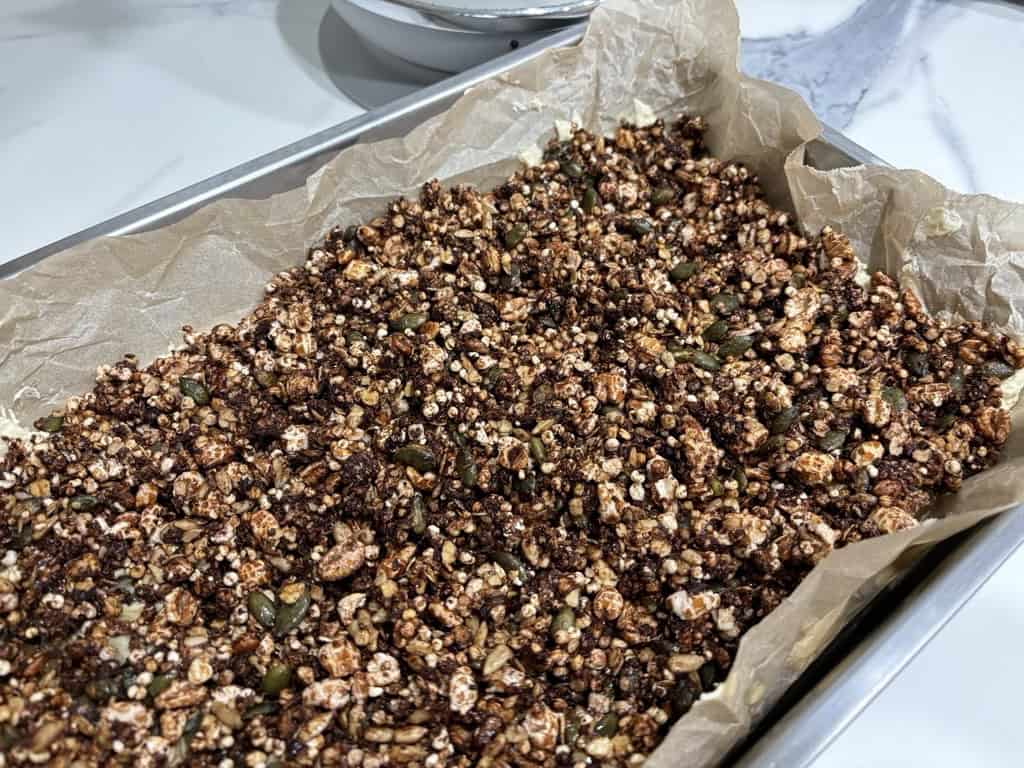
x=505, y=15
x=423, y=40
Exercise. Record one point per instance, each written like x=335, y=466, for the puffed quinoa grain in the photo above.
x=496, y=478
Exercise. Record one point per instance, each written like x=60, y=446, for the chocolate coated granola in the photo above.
x=495, y=479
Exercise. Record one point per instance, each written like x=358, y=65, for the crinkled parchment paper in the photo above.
x=964, y=254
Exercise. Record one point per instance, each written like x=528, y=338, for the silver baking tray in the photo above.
x=872, y=650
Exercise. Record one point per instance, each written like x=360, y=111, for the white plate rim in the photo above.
x=403, y=14
x=530, y=9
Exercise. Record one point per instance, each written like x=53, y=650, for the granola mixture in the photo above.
x=497, y=479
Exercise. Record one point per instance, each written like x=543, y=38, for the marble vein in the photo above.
x=945, y=123
x=833, y=69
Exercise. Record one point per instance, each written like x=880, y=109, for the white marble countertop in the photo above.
x=108, y=104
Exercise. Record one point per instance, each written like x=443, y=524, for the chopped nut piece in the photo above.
x=994, y=424
x=180, y=695
x=181, y=606
x=327, y=694
x=689, y=607
x=701, y=452
x=891, y=519
x=610, y=387
x=814, y=468
x=867, y=453
x=341, y=561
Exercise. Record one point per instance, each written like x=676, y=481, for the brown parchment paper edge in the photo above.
x=94, y=302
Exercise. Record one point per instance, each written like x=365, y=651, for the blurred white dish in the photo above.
x=505, y=15
x=509, y=7
x=421, y=39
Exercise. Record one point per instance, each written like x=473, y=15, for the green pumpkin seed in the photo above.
x=83, y=503
x=572, y=728
x=717, y=489
x=784, y=420
x=832, y=440
x=526, y=485
x=511, y=280
x=419, y=457
x=679, y=351
x=861, y=483
x=707, y=675
x=682, y=699
x=997, y=368
x=894, y=396
x=571, y=169
x=457, y=437
x=512, y=565
x=537, y=450
x=564, y=621
x=290, y=615
x=717, y=331
x=613, y=414
x=772, y=444
x=798, y=279
x=607, y=725
x=158, y=685
x=265, y=379
x=683, y=355
x=542, y=393
x=515, y=235
x=192, y=725
x=640, y=227
x=353, y=337
x=9, y=736
x=956, y=379
x=195, y=389
x=410, y=321
x=277, y=678
x=741, y=479
x=725, y=303
x=916, y=362
x=102, y=689
x=683, y=270
x=491, y=376
x=126, y=679
x=706, y=361
x=263, y=708
x=589, y=199
x=51, y=424
x=737, y=346
x=945, y=421
x=419, y=515
x=466, y=467
x=226, y=714
x=262, y=608
x=663, y=195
